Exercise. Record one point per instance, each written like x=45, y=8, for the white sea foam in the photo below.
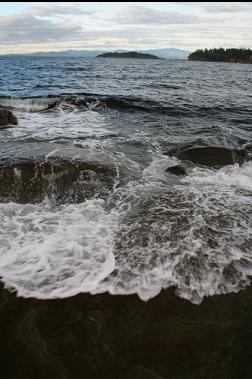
x=27, y=105
x=59, y=125
x=50, y=252
x=195, y=235
x=228, y=176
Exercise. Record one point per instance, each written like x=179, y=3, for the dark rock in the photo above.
x=71, y=181
x=176, y=170
x=7, y=117
x=211, y=156
x=104, y=336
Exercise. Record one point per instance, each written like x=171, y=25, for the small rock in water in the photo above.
x=176, y=170
x=211, y=156
x=7, y=117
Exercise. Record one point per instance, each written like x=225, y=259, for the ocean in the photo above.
x=86, y=203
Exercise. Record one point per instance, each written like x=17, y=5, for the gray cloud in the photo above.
x=134, y=27
x=55, y=10
x=142, y=15
x=22, y=29
x=222, y=7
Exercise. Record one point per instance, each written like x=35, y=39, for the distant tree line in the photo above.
x=242, y=55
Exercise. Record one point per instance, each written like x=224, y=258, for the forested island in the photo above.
x=130, y=54
x=232, y=55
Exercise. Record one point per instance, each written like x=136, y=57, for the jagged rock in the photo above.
x=211, y=156
x=7, y=117
x=176, y=170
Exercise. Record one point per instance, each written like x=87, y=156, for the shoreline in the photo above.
x=206, y=60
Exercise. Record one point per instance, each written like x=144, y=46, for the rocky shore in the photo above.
x=106, y=336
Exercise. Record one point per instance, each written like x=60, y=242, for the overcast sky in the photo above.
x=31, y=27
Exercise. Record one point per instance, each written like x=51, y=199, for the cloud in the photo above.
x=23, y=28
x=223, y=7
x=44, y=27
x=142, y=15
x=55, y=11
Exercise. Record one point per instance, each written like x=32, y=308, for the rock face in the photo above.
x=210, y=156
x=176, y=170
x=7, y=117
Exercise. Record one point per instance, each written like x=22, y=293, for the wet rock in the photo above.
x=31, y=171
x=176, y=170
x=211, y=156
x=104, y=336
x=7, y=117
x=72, y=181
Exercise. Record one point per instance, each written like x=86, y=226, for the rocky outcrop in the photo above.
x=176, y=170
x=211, y=156
x=7, y=117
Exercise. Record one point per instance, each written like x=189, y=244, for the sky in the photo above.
x=55, y=26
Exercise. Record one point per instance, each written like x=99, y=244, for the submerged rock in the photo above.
x=30, y=171
x=176, y=170
x=211, y=156
x=7, y=117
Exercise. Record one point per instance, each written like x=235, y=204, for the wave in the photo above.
x=80, y=100
x=33, y=104
x=120, y=103
x=76, y=69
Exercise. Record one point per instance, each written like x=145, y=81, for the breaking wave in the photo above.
x=35, y=104
x=120, y=103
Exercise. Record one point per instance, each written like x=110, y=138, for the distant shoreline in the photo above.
x=215, y=61
x=166, y=53
x=231, y=55
x=128, y=55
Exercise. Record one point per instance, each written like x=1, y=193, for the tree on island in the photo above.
x=234, y=55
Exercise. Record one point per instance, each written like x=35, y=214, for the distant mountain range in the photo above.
x=169, y=53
